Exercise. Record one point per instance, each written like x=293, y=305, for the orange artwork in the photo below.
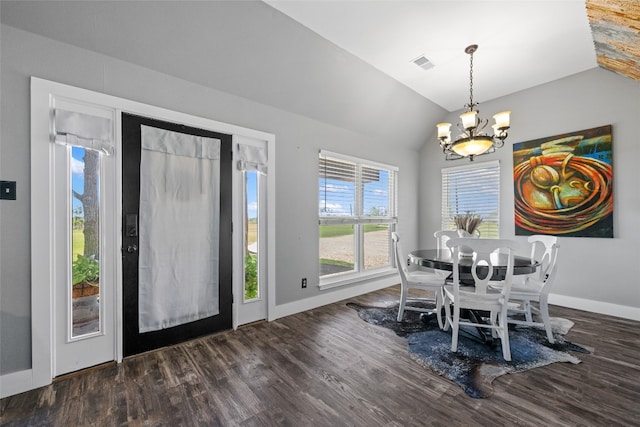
x=563, y=184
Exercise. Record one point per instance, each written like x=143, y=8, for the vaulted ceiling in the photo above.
x=521, y=43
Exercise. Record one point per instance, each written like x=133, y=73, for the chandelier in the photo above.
x=473, y=141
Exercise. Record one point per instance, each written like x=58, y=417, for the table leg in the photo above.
x=481, y=335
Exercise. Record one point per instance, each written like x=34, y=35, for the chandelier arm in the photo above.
x=482, y=123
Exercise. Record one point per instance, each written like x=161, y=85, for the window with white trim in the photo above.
x=357, y=213
x=472, y=188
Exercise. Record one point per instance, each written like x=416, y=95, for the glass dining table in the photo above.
x=442, y=259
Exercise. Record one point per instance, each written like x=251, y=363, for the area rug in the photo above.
x=476, y=364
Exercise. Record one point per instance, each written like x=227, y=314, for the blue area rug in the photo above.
x=476, y=364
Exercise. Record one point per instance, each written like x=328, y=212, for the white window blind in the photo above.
x=337, y=187
x=472, y=188
x=83, y=130
x=252, y=158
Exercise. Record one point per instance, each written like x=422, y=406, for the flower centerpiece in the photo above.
x=467, y=226
x=468, y=222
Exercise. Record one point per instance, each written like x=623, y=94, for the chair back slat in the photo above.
x=398, y=255
x=485, y=253
x=545, y=249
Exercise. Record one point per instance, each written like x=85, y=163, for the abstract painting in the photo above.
x=563, y=184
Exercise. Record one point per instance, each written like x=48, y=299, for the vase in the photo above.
x=466, y=251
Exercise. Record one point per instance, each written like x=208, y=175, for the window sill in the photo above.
x=351, y=279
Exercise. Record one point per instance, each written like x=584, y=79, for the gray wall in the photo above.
x=324, y=99
x=600, y=270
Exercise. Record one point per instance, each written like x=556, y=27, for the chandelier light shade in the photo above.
x=473, y=141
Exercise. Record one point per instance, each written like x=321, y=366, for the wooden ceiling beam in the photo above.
x=615, y=27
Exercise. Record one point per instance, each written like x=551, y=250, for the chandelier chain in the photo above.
x=471, y=81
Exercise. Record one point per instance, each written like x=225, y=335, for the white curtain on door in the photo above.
x=179, y=228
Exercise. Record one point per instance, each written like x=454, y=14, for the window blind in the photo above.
x=337, y=188
x=252, y=158
x=378, y=190
x=83, y=130
x=472, y=188
x=354, y=189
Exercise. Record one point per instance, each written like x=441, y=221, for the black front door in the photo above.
x=135, y=341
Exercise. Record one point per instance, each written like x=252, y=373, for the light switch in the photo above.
x=8, y=190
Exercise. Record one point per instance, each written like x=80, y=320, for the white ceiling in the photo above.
x=521, y=43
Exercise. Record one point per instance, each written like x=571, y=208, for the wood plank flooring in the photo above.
x=326, y=367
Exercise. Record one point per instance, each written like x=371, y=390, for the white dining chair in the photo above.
x=481, y=297
x=535, y=287
x=442, y=236
x=416, y=279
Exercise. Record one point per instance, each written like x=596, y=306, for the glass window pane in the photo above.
x=376, y=246
x=85, y=241
x=337, y=187
x=251, y=288
x=337, y=249
x=376, y=192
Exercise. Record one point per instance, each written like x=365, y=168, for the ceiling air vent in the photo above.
x=423, y=63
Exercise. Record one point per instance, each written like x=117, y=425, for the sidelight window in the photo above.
x=252, y=235
x=85, y=240
x=252, y=162
x=86, y=139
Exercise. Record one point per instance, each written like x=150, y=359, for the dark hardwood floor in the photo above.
x=326, y=367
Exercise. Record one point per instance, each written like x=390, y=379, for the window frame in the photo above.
x=359, y=220
x=489, y=222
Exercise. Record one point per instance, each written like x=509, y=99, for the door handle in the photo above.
x=131, y=225
x=132, y=249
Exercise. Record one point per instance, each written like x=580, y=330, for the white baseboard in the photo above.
x=616, y=310
x=15, y=383
x=333, y=296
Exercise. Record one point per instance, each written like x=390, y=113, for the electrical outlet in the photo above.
x=304, y=283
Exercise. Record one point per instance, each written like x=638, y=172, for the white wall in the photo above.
x=598, y=274
x=298, y=140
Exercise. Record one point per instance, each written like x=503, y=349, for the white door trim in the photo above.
x=42, y=230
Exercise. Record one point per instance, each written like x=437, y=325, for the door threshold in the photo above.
x=178, y=344
x=255, y=322
x=84, y=371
